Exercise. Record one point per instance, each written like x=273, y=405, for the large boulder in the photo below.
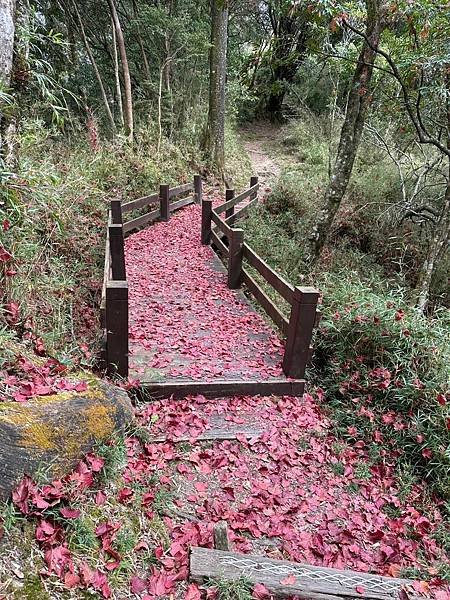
x=50, y=434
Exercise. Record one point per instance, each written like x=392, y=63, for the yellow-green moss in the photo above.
x=98, y=421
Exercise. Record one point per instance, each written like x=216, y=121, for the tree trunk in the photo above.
x=358, y=103
x=438, y=247
x=141, y=43
x=116, y=75
x=441, y=236
x=7, y=30
x=95, y=68
x=128, y=108
x=214, y=138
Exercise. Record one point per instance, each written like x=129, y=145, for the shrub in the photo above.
x=385, y=370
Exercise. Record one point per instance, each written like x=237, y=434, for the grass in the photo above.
x=238, y=589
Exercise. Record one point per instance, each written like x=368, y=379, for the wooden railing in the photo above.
x=114, y=302
x=229, y=244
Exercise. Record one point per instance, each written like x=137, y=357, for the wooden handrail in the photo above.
x=226, y=229
x=180, y=189
x=283, y=287
x=242, y=196
x=271, y=309
x=140, y=202
x=241, y=212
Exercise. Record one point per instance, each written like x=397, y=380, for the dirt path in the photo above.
x=257, y=141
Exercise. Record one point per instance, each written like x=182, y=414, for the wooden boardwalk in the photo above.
x=187, y=328
x=178, y=319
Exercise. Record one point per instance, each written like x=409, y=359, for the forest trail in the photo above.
x=257, y=140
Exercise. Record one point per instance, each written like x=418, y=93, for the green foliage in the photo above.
x=384, y=368
x=238, y=589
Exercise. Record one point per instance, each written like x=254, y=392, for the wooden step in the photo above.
x=283, y=578
x=221, y=388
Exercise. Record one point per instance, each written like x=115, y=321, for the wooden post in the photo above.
x=229, y=194
x=117, y=252
x=164, y=209
x=235, y=258
x=253, y=181
x=116, y=212
x=117, y=328
x=301, y=325
x=206, y=221
x=198, y=188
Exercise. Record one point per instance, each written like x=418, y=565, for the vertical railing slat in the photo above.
x=164, y=199
x=300, y=330
x=235, y=256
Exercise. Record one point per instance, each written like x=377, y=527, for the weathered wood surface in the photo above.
x=237, y=199
x=265, y=302
x=50, y=434
x=226, y=229
x=308, y=582
x=180, y=189
x=300, y=330
x=139, y=222
x=117, y=328
x=220, y=535
x=117, y=252
x=218, y=243
x=230, y=219
x=206, y=222
x=217, y=429
x=164, y=199
x=222, y=388
x=235, y=256
x=283, y=287
x=180, y=203
x=140, y=202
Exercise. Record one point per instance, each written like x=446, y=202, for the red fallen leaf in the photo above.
x=142, y=545
x=193, y=593
x=402, y=595
x=200, y=486
x=70, y=513
x=441, y=399
x=100, y=583
x=86, y=573
x=427, y=453
x=96, y=462
x=22, y=494
x=399, y=315
x=6, y=225
x=148, y=498
x=12, y=310
x=71, y=580
x=360, y=589
x=5, y=256
x=137, y=585
x=100, y=498
x=289, y=580
x=57, y=559
x=125, y=495
x=260, y=592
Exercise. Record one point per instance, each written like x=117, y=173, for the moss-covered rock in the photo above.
x=50, y=434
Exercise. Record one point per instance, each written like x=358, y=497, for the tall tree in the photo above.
x=95, y=68
x=291, y=26
x=7, y=29
x=214, y=138
x=359, y=99
x=128, y=101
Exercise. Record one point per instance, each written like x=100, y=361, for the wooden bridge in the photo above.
x=136, y=250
